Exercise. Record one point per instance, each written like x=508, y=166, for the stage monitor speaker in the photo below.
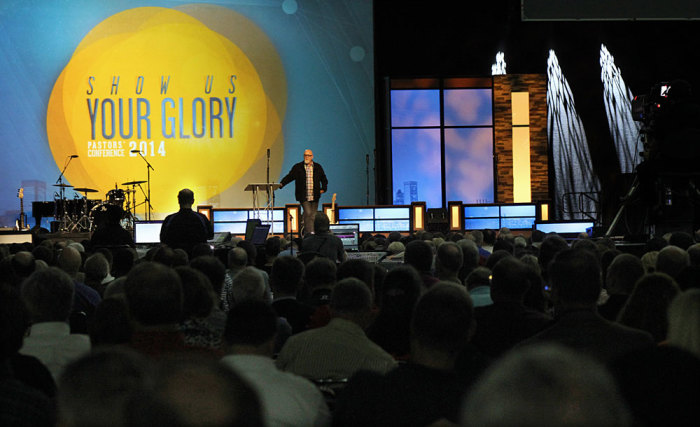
x=250, y=227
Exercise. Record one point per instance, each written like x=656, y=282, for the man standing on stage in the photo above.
x=311, y=182
x=186, y=228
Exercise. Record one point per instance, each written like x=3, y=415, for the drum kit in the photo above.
x=81, y=214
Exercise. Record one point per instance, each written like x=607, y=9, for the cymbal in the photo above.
x=62, y=185
x=85, y=190
x=133, y=182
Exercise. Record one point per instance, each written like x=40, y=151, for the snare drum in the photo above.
x=116, y=197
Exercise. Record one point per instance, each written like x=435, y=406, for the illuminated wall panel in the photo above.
x=513, y=122
x=520, y=102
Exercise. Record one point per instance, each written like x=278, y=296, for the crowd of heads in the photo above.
x=417, y=307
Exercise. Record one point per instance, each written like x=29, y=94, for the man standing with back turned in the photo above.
x=311, y=182
x=186, y=228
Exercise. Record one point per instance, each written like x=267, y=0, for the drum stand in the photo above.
x=84, y=222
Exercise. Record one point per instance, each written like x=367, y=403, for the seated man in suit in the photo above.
x=576, y=282
x=427, y=388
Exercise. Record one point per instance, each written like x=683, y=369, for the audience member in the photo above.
x=21, y=403
x=535, y=297
x=154, y=297
x=286, y=280
x=545, y=385
x=44, y=253
x=320, y=280
x=23, y=265
x=479, y=286
x=681, y=239
x=202, y=249
x=661, y=386
x=359, y=269
x=496, y=256
x=48, y=295
x=694, y=254
x=655, y=244
x=551, y=245
x=96, y=270
x=14, y=366
x=647, y=306
x=322, y=241
x=109, y=232
x=576, y=283
x=426, y=389
x=684, y=321
x=507, y=321
x=448, y=262
x=237, y=261
x=419, y=255
x=185, y=228
x=198, y=302
x=248, y=285
x=85, y=299
x=623, y=272
x=470, y=258
x=180, y=257
x=341, y=348
x=123, y=262
x=97, y=388
x=672, y=260
x=649, y=261
x=215, y=271
x=390, y=329
x=163, y=254
x=286, y=399
x=111, y=325
x=199, y=391
x=252, y=252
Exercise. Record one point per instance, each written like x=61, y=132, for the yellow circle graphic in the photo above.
x=164, y=83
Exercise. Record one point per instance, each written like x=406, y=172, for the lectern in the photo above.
x=269, y=188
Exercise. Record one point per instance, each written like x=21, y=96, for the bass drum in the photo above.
x=116, y=197
x=106, y=213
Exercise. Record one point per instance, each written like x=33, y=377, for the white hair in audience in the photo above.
x=545, y=385
x=684, y=321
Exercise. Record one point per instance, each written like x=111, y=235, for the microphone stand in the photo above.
x=367, y=173
x=149, y=168
x=269, y=196
x=62, y=193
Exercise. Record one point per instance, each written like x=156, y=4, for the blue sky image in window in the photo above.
x=469, y=165
x=416, y=166
x=468, y=107
x=415, y=108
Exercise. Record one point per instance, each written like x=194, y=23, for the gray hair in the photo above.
x=545, y=385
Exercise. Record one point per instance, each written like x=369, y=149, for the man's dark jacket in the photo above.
x=298, y=174
x=184, y=229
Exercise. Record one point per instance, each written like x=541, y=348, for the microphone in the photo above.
x=74, y=156
x=268, y=153
x=135, y=151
